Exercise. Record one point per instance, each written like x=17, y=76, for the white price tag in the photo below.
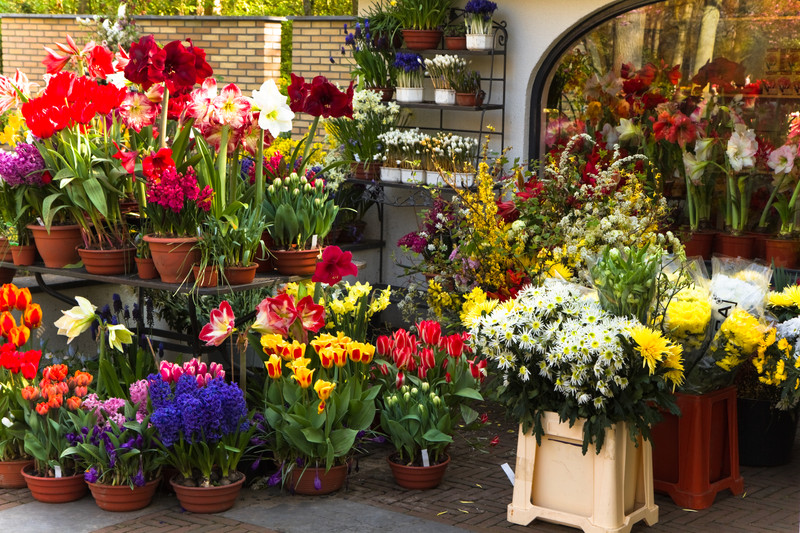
x=425, y=460
x=509, y=472
x=313, y=241
x=58, y=470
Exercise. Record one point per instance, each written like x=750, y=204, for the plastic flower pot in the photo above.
x=59, y=246
x=208, y=499
x=108, y=262
x=173, y=256
x=390, y=174
x=422, y=39
x=55, y=489
x=146, y=268
x=418, y=477
x=11, y=473
x=296, y=262
x=444, y=96
x=409, y=95
x=240, y=275
x=122, y=498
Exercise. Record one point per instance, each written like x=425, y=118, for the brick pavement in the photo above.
x=475, y=493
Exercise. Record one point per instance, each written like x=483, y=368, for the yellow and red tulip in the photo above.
x=32, y=316
x=19, y=335
x=274, y=366
x=303, y=375
x=23, y=299
x=324, y=389
x=8, y=296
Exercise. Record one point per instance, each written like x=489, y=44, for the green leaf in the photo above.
x=434, y=435
x=343, y=440
x=469, y=393
x=314, y=435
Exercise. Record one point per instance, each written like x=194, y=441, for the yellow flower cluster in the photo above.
x=476, y=304
x=350, y=303
x=11, y=133
x=286, y=147
x=779, y=374
x=659, y=354
x=688, y=315
x=743, y=334
x=440, y=300
x=788, y=297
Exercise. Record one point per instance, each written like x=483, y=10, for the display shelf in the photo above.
x=432, y=105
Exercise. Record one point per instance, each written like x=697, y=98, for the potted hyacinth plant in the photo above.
x=478, y=20
x=441, y=69
x=410, y=73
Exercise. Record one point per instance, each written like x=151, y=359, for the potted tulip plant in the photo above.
x=422, y=21
x=202, y=425
x=123, y=461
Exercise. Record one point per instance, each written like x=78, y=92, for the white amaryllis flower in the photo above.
x=628, y=131
x=781, y=160
x=118, y=335
x=702, y=148
x=742, y=148
x=76, y=320
x=275, y=116
x=694, y=168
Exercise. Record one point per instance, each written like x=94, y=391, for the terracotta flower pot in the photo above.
x=11, y=474
x=700, y=243
x=455, y=43
x=207, y=276
x=263, y=258
x=240, y=275
x=208, y=499
x=146, y=267
x=783, y=252
x=418, y=477
x=108, y=262
x=23, y=255
x=122, y=498
x=296, y=262
x=173, y=256
x=363, y=172
x=422, y=39
x=306, y=481
x=55, y=489
x=734, y=245
x=59, y=247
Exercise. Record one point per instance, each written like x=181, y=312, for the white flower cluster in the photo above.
x=456, y=153
x=403, y=147
x=442, y=68
x=367, y=105
x=560, y=334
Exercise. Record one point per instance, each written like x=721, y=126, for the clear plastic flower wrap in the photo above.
x=737, y=282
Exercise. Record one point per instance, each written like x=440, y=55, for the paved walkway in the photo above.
x=473, y=496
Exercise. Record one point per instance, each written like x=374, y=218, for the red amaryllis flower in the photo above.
x=107, y=98
x=55, y=61
x=202, y=69
x=146, y=64
x=231, y=108
x=220, y=325
x=137, y=111
x=275, y=315
x=334, y=266
x=320, y=98
x=99, y=62
x=127, y=158
x=155, y=164
x=179, y=69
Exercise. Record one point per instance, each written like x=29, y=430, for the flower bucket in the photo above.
x=422, y=39
x=146, y=268
x=108, y=262
x=444, y=96
x=604, y=492
x=390, y=174
x=418, y=477
x=766, y=435
x=122, y=498
x=59, y=247
x=412, y=176
x=434, y=179
x=23, y=255
x=55, y=489
x=306, y=481
x=11, y=473
x=208, y=499
x=409, y=95
x=480, y=41
x=173, y=256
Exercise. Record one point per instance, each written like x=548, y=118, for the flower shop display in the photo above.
x=202, y=425
x=123, y=462
x=441, y=68
x=456, y=157
x=52, y=411
x=405, y=148
x=410, y=73
x=478, y=20
x=359, y=136
x=421, y=21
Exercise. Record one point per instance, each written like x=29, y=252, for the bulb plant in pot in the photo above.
x=784, y=248
x=122, y=460
x=427, y=381
x=467, y=85
x=422, y=21
x=455, y=37
x=23, y=176
x=441, y=69
x=478, y=20
x=372, y=58
x=410, y=74
x=202, y=425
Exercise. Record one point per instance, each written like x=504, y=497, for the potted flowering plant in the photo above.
x=419, y=412
x=123, y=461
x=441, y=69
x=405, y=148
x=455, y=37
x=52, y=410
x=316, y=400
x=785, y=188
x=467, y=84
x=201, y=423
x=24, y=175
x=478, y=20
x=457, y=155
x=422, y=21
x=410, y=74
x=373, y=60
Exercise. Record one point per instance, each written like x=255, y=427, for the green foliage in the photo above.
x=296, y=211
x=182, y=7
x=416, y=419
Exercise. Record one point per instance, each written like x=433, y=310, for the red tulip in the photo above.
x=383, y=346
x=454, y=345
x=430, y=332
x=426, y=358
x=42, y=408
x=400, y=379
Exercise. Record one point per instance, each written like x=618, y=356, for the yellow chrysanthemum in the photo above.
x=743, y=330
x=788, y=297
x=652, y=346
x=686, y=317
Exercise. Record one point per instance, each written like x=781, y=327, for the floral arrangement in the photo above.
x=557, y=350
x=409, y=69
x=437, y=237
x=203, y=429
x=478, y=16
x=442, y=68
x=777, y=365
x=52, y=410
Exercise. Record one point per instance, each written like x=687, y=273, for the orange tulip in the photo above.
x=30, y=393
x=32, y=316
x=56, y=401
x=23, y=299
x=7, y=323
x=8, y=296
x=81, y=391
x=303, y=376
x=19, y=335
x=62, y=387
x=55, y=372
x=42, y=408
x=49, y=390
x=83, y=379
x=74, y=403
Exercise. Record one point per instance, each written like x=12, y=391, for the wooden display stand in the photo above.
x=696, y=455
x=598, y=493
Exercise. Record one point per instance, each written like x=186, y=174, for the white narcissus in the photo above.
x=275, y=116
x=76, y=320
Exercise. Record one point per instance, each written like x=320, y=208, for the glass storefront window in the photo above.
x=709, y=90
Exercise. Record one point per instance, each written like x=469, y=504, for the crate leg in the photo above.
x=521, y=509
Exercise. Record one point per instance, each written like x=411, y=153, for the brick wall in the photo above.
x=314, y=41
x=242, y=50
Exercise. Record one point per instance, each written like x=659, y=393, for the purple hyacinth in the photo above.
x=480, y=7
x=23, y=166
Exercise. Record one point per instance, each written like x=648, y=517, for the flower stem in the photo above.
x=164, y=117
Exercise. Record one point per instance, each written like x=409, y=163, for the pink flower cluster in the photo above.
x=139, y=393
x=171, y=372
x=173, y=190
x=107, y=410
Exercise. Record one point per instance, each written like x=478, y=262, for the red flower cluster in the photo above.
x=12, y=298
x=97, y=59
x=173, y=190
x=69, y=101
x=15, y=361
x=55, y=390
x=320, y=98
x=675, y=128
x=180, y=67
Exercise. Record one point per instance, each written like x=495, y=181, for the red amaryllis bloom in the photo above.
x=199, y=106
x=55, y=61
x=99, y=62
x=179, y=69
x=154, y=165
x=127, y=158
x=107, y=98
x=320, y=98
x=298, y=92
x=310, y=314
x=12, y=89
x=275, y=315
x=220, y=326
x=231, y=108
x=146, y=64
x=334, y=266
x=202, y=69
x=137, y=111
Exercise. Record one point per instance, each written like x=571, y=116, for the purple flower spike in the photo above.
x=317, y=482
